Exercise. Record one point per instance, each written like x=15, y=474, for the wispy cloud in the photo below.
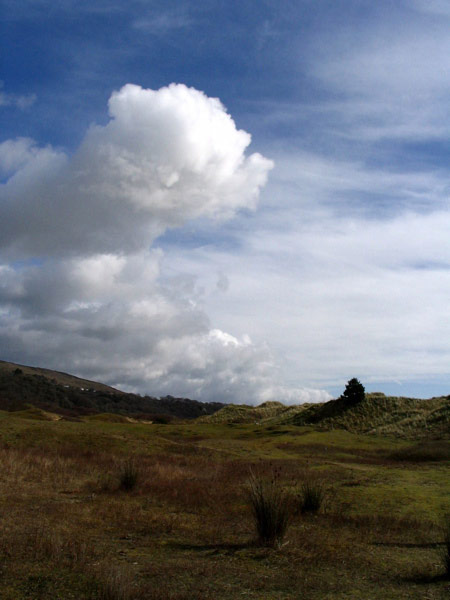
x=162, y=23
x=16, y=100
x=394, y=86
x=439, y=8
x=337, y=287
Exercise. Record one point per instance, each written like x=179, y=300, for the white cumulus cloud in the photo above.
x=165, y=157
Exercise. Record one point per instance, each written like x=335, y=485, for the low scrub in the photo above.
x=271, y=508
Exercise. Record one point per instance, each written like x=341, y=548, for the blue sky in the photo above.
x=270, y=246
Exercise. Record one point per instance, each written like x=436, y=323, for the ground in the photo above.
x=185, y=531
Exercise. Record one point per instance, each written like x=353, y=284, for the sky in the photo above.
x=228, y=201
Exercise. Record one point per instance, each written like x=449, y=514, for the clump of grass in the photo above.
x=435, y=451
x=105, y=482
x=128, y=476
x=115, y=583
x=446, y=549
x=312, y=496
x=271, y=508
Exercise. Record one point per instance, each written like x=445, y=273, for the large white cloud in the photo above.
x=164, y=157
x=87, y=294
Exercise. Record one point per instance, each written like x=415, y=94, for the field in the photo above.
x=183, y=530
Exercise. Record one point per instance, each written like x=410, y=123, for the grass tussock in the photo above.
x=271, y=507
x=116, y=582
x=128, y=475
x=446, y=548
x=312, y=497
x=434, y=451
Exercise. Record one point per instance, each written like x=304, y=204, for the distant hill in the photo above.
x=23, y=388
x=57, y=377
x=45, y=394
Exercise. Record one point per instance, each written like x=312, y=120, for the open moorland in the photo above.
x=106, y=507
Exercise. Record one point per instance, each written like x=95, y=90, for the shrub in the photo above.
x=129, y=476
x=271, y=508
x=162, y=419
x=312, y=495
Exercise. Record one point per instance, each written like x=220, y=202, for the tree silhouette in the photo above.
x=354, y=392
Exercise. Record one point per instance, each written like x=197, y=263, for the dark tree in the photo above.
x=354, y=392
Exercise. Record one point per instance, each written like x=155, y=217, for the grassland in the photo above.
x=185, y=531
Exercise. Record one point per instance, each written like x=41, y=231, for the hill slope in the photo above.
x=377, y=414
x=70, y=396
x=382, y=415
x=268, y=412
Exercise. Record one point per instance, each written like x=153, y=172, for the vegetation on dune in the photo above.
x=382, y=415
x=355, y=410
x=268, y=411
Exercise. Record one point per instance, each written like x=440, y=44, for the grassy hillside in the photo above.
x=263, y=413
x=185, y=531
x=382, y=415
x=377, y=414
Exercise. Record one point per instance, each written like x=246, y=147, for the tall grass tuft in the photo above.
x=115, y=583
x=128, y=476
x=446, y=549
x=312, y=496
x=271, y=508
